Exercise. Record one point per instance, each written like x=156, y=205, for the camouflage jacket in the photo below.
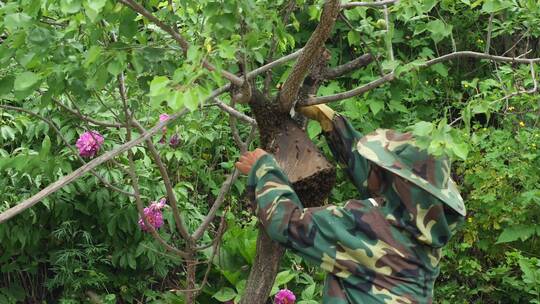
x=381, y=248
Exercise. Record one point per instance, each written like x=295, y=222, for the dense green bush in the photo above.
x=84, y=239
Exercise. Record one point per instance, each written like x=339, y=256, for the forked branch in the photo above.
x=310, y=54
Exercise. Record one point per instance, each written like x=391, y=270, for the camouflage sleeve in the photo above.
x=314, y=233
x=342, y=142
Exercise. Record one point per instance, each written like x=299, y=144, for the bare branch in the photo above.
x=184, y=44
x=233, y=112
x=67, y=179
x=67, y=144
x=479, y=56
x=362, y=61
x=351, y=93
x=310, y=54
x=391, y=76
x=369, y=4
x=166, y=181
x=225, y=187
x=140, y=209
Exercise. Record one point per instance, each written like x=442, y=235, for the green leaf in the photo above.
x=461, y=150
x=284, y=277
x=17, y=20
x=492, y=6
x=428, y=5
x=45, y=146
x=96, y=5
x=224, y=294
x=353, y=37
x=191, y=99
x=158, y=86
x=438, y=30
x=376, y=105
x=25, y=81
x=6, y=85
x=92, y=55
x=441, y=69
x=70, y=6
x=422, y=128
x=308, y=292
x=313, y=129
x=514, y=233
x=128, y=25
x=176, y=100
x=115, y=67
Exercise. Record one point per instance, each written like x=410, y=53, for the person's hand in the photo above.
x=321, y=113
x=248, y=159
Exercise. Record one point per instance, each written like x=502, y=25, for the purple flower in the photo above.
x=174, y=141
x=89, y=143
x=284, y=296
x=153, y=215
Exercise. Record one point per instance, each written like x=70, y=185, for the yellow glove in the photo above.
x=321, y=113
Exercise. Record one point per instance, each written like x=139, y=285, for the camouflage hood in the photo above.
x=398, y=153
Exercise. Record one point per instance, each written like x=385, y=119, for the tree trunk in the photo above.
x=264, y=270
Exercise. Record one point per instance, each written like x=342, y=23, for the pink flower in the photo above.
x=163, y=117
x=153, y=215
x=89, y=143
x=285, y=296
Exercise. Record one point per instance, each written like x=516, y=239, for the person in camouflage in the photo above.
x=385, y=246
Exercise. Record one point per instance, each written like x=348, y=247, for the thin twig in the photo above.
x=140, y=208
x=167, y=182
x=225, y=188
x=369, y=4
x=233, y=112
x=285, y=19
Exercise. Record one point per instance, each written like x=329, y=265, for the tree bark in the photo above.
x=264, y=270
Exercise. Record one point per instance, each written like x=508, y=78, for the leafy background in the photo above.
x=84, y=240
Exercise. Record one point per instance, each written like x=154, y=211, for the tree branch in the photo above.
x=233, y=112
x=184, y=44
x=310, y=54
x=362, y=61
x=370, y=4
x=140, y=209
x=225, y=187
x=391, y=76
x=167, y=182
